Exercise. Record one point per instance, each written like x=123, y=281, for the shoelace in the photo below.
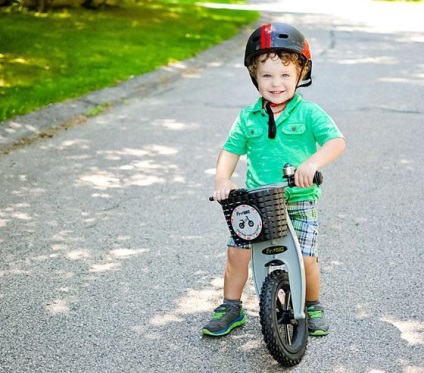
x=219, y=312
x=315, y=314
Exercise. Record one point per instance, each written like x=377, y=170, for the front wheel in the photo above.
x=284, y=336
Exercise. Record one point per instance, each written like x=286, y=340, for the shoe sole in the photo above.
x=235, y=324
x=318, y=333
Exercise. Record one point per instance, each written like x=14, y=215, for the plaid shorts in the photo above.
x=304, y=217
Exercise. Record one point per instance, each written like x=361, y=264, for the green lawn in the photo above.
x=47, y=58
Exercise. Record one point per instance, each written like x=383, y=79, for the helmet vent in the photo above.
x=283, y=36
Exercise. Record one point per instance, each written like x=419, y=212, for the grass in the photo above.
x=47, y=58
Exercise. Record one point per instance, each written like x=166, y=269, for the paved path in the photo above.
x=111, y=256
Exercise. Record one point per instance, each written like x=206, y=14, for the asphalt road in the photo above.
x=112, y=257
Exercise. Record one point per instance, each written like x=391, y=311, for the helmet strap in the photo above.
x=272, y=128
x=300, y=76
x=304, y=83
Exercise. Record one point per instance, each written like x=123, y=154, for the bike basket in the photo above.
x=256, y=215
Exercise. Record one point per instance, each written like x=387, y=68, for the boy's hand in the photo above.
x=222, y=189
x=304, y=176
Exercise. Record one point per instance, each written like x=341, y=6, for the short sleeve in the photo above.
x=236, y=140
x=323, y=126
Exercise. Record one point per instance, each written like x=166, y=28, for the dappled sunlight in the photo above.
x=204, y=300
x=21, y=216
x=380, y=60
x=409, y=164
x=215, y=64
x=29, y=191
x=413, y=369
x=58, y=306
x=101, y=195
x=195, y=301
x=14, y=271
x=13, y=127
x=65, y=235
x=161, y=149
x=173, y=124
x=18, y=70
x=13, y=212
x=253, y=343
x=418, y=80
x=78, y=254
x=106, y=267
x=410, y=331
x=101, y=179
x=164, y=320
x=142, y=172
x=79, y=143
x=192, y=73
x=104, y=180
x=126, y=253
x=362, y=311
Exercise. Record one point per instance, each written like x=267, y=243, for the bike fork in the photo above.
x=284, y=252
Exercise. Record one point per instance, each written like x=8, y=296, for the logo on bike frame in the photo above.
x=246, y=222
x=273, y=250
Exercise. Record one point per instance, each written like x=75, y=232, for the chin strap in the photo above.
x=307, y=82
x=272, y=128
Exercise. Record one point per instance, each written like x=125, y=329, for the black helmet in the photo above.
x=278, y=37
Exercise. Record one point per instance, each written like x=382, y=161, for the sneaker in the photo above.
x=225, y=319
x=317, y=323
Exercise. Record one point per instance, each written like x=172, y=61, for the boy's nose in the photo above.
x=276, y=82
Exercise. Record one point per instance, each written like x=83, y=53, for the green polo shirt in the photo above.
x=300, y=128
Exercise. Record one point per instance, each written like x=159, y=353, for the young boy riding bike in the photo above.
x=279, y=128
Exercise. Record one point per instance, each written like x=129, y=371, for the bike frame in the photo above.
x=291, y=260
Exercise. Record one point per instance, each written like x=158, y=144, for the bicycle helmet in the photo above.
x=278, y=37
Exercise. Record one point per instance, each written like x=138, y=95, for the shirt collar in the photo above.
x=257, y=106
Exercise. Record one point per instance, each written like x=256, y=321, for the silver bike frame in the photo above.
x=292, y=262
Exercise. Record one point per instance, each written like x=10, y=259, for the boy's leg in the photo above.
x=317, y=323
x=236, y=272
x=313, y=278
x=230, y=314
x=305, y=222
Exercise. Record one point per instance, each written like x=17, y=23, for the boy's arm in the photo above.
x=330, y=151
x=225, y=167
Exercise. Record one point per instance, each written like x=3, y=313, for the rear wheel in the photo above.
x=284, y=336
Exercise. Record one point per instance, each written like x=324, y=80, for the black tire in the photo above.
x=285, y=337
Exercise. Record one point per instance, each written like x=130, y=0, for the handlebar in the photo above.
x=288, y=174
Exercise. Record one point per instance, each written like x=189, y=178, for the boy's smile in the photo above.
x=276, y=82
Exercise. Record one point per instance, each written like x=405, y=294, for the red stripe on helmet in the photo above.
x=306, y=51
x=266, y=36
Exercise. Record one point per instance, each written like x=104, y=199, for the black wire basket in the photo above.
x=269, y=202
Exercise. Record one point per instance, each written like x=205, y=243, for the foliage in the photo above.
x=50, y=57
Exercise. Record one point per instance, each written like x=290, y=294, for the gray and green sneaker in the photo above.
x=317, y=323
x=225, y=319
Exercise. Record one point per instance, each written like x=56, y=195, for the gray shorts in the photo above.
x=304, y=217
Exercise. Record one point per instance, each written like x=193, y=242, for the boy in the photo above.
x=279, y=128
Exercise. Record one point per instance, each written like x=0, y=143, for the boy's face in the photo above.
x=276, y=82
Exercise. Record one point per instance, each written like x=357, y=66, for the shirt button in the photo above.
x=293, y=129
